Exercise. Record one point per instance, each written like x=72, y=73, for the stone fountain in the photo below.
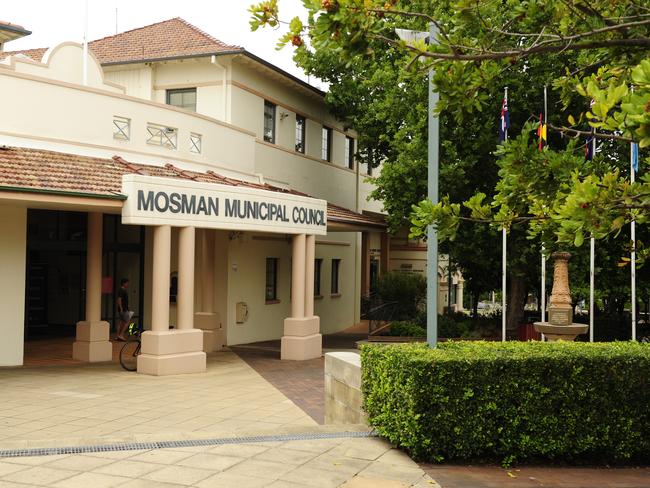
x=560, y=324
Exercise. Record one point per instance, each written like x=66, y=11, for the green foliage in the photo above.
x=404, y=328
x=512, y=402
x=407, y=290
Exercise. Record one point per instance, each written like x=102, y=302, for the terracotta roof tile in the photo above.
x=163, y=40
x=37, y=170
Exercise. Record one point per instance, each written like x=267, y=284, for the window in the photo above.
x=336, y=265
x=185, y=98
x=159, y=135
x=271, y=279
x=121, y=128
x=195, y=143
x=317, y=267
x=301, y=125
x=349, y=152
x=326, y=153
x=269, y=122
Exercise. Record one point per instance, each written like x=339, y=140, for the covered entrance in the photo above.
x=55, y=284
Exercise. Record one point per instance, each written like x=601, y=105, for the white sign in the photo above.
x=154, y=200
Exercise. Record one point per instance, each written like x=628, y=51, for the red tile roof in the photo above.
x=38, y=170
x=168, y=39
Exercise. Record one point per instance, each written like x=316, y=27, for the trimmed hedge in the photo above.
x=516, y=401
x=404, y=328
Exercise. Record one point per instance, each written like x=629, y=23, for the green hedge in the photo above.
x=518, y=401
x=404, y=328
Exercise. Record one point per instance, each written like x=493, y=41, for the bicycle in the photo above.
x=131, y=348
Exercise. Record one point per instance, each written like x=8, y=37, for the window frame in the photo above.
x=349, y=152
x=273, y=273
x=318, y=272
x=335, y=285
x=273, y=118
x=326, y=144
x=301, y=121
x=175, y=91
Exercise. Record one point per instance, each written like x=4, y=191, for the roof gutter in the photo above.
x=20, y=189
x=16, y=29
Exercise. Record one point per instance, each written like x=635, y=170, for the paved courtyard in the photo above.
x=248, y=393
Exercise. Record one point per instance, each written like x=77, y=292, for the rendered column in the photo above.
x=162, y=249
x=302, y=339
x=310, y=256
x=185, y=297
x=207, y=319
x=298, y=277
x=164, y=351
x=92, y=340
x=207, y=281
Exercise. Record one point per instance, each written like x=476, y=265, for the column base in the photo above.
x=172, y=352
x=92, y=343
x=213, y=333
x=301, y=340
x=184, y=363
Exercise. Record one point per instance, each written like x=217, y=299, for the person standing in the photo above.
x=123, y=311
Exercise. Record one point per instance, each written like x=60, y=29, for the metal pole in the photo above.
x=85, y=46
x=543, y=290
x=503, y=286
x=592, y=260
x=504, y=243
x=432, y=244
x=633, y=254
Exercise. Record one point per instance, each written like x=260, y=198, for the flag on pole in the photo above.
x=504, y=121
x=589, y=148
x=541, y=133
x=635, y=157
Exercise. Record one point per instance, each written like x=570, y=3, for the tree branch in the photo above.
x=598, y=135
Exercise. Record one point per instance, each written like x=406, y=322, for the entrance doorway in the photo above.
x=123, y=258
x=56, y=277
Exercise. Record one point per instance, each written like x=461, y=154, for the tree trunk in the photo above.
x=475, y=299
x=515, y=302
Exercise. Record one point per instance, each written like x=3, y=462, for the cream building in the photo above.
x=218, y=184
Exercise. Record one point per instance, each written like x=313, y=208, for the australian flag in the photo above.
x=504, y=121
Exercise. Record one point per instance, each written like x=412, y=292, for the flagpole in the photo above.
x=633, y=254
x=504, y=242
x=543, y=290
x=592, y=259
x=85, y=45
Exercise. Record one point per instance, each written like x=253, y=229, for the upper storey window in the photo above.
x=349, y=152
x=184, y=98
x=301, y=125
x=326, y=152
x=269, y=122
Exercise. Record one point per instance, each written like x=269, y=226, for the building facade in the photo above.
x=218, y=184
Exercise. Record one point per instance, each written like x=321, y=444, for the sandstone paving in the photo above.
x=101, y=404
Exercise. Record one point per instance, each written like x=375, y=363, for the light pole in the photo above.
x=433, y=157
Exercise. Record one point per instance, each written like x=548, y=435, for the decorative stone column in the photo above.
x=302, y=339
x=92, y=340
x=459, y=296
x=560, y=324
x=207, y=319
x=165, y=351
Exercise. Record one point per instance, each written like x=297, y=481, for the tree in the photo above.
x=550, y=196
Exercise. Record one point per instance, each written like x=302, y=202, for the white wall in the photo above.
x=13, y=245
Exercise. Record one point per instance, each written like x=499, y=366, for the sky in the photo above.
x=55, y=21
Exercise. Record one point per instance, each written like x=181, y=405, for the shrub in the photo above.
x=511, y=401
x=407, y=329
x=407, y=290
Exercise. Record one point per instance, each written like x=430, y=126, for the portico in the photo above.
x=163, y=204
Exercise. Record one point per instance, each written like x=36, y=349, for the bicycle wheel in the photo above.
x=129, y=354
